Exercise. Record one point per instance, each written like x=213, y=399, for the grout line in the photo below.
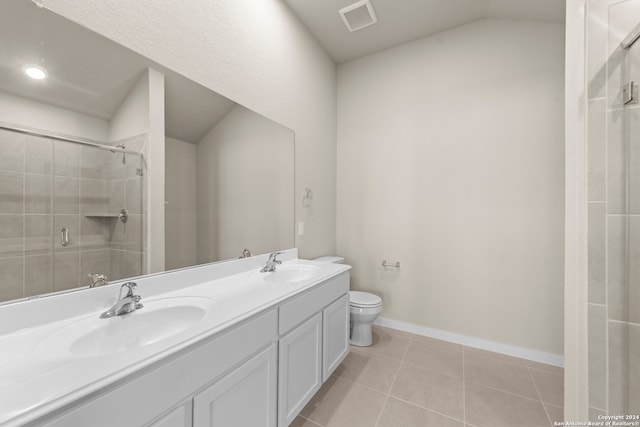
x=372, y=353
x=426, y=409
x=545, y=371
x=508, y=392
x=311, y=421
x=540, y=397
x=384, y=405
x=412, y=338
x=406, y=350
x=393, y=382
x=357, y=383
x=395, y=377
x=500, y=359
x=432, y=370
x=369, y=388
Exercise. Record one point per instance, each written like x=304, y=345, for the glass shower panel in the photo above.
x=631, y=314
x=614, y=208
x=624, y=244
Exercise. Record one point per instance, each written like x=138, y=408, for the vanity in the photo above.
x=221, y=344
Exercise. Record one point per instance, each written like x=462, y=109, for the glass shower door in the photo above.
x=624, y=336
x=623, y=219
x=614, y=208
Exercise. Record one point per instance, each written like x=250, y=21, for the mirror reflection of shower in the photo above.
x=69, y=207
x=124, y=154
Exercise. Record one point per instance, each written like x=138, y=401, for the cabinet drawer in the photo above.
x=170, y=383
x=294, y=312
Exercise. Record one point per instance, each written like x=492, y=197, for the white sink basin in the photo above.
x=288, y=274
x=92, y=336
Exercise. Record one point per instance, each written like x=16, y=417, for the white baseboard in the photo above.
x=511, y=350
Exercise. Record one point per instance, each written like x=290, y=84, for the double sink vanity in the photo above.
x=222, y=344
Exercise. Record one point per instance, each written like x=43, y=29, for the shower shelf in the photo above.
x=123, y=215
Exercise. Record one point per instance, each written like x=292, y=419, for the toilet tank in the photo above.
x=334, y=259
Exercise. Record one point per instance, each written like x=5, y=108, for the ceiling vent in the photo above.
x=358, y=15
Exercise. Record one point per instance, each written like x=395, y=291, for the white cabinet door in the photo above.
x=180, y=416
x=335, y=335
x=299, y=368
x=244, y=397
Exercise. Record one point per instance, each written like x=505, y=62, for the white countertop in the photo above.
x=34, y=384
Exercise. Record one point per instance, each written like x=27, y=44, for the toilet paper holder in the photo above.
x=390, y=264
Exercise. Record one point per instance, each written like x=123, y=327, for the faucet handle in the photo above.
x=98, y=279
x=129, y=288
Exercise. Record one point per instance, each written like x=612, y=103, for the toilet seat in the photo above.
x=364, y=300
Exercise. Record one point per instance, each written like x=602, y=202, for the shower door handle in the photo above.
x=64, y=237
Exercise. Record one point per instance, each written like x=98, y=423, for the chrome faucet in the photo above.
x=127, y=302
x=272, y=262
x=98, y=279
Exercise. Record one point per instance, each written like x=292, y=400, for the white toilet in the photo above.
x=364, y=308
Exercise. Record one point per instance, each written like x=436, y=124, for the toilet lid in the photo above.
x=364, y=299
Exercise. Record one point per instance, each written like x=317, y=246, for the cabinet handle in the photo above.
x=64, y=237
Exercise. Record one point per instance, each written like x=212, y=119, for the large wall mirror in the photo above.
x=77, y=172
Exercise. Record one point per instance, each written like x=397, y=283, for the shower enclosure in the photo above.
x=68, y=208
x=613, y=207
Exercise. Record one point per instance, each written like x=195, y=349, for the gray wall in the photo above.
x=180, y=208
x=451, y=161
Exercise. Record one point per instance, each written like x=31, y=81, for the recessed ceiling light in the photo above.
x=35, y=72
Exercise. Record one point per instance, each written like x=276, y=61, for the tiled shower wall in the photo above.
x=613, y=210
x=47, y=185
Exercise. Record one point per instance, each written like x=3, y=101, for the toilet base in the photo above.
x=361, y=334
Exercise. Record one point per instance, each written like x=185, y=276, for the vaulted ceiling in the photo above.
x=400, y=21
x=90, y=74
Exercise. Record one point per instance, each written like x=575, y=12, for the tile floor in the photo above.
x=407, y=380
